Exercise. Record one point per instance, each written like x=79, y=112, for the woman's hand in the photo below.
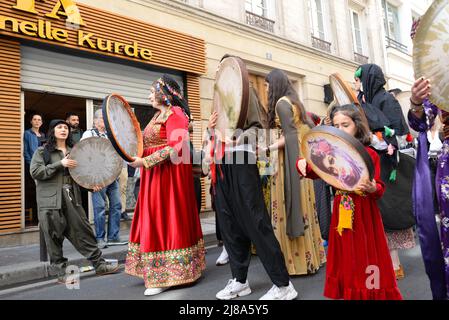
x=97, y=188
x=68, y=163
x=137, y=163
x=390, y=149
x=368, y=186
x=301, y=166
x=212, y=120
x=420, y=90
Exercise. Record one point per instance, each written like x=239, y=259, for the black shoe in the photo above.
x=124, y=216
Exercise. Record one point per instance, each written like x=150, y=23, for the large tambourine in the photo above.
x=231, y=96
x=344, y=94
x=337, y=157
x=122, y=127
x=404, y=100
x=98, y=163
x=431, y=51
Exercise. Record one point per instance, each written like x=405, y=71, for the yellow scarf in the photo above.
x=346, y=210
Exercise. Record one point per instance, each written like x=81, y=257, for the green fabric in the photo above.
x=393, y=176
x=388, y=132
x=358, y=73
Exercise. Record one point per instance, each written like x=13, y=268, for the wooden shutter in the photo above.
x=193, y=95
x=10, y=137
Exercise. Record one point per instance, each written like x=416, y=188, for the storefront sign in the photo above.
x=67, y=9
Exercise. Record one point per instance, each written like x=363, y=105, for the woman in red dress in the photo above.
x=359, y=264
x=166, y=246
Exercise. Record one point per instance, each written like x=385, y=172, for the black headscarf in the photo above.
x=373, y=81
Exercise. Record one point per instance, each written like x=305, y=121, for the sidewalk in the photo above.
x=21, y=264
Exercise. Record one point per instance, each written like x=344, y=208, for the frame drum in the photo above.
x=231, y=96
x=337, y=157
x=431, y=51
x=344, y=94
x=122, y=127
x=98, y=163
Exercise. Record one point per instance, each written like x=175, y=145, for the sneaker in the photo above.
x=281, y=293
x=223, y=258
x=124, y=216
x=117, y=242
x=233, y=290
x=105, y=268
x=154, y=291
x=101, y=244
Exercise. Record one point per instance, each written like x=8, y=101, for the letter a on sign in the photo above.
x=26, y=5
x=69, y=9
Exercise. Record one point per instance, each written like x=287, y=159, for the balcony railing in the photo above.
x=321, y=44
x=360, y=58
x=395, y=44
x=260, y=22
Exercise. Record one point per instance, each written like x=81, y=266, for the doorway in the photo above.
x=49, y=106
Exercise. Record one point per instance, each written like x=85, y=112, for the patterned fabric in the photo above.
x=166, y=242
x=304, y=254
x=152, y=134
x=402, y=239
x=158, y=157
x=166, y=268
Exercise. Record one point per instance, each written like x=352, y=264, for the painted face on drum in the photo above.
x=61, y=131
x=345, y=123
x=337, y=166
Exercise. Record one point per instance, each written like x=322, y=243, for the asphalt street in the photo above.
x=121, y=286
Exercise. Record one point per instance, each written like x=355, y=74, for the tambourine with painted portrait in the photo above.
x=122, y=127
x=337, y=157
x=98, y=163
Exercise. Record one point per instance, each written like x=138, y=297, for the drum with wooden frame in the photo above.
x=231, y=96
x=344, y=94
x=98, y=163
x=337, y=157
x=122, y=127
x=431, y=53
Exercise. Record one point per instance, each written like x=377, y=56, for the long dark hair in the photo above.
x=363, y=133
x=168, y=92
x=281, y=86
x=51, y=144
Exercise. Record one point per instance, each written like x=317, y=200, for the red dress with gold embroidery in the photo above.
x=166, y=246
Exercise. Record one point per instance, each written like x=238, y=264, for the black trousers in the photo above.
x=243, y=219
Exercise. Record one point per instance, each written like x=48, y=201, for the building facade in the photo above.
x=122, y=45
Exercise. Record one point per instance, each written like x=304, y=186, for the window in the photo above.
x=391, y=20
x=317, y=18
x=260, y=14
x=356, y=33
x=258, y=7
